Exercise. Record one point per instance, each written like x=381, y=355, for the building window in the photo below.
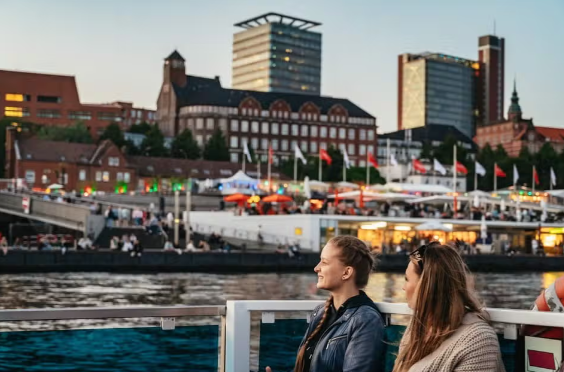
x=342, y=133
x=45, y=179
x=98, y=176
x=255, y=127
x=49, y=99
x=16, y=97
x=113, y=161
x=244, y=126
x=351, y=134
x=234, y=142
x=223, y=125
x=16, y=112
x=362, y=134
x=234, y=157
x=284, y=129
x=370, y=149
x=30, y=176
x=304, y=131
x=234, y=125
x=51, y=114
x=295, y=130
x=274, y=128
x=200, y=139
x=371, y=135
x=274, y=144
x=264, y=129
x=313, y=131
x=254, y=143
x=323, y=145
x=284, y=145
x=210, y=124
x=351, y=149
x=82, y=175
x=294, y=144
x=313, y=147
x=106, y=176
x=119, y=177
x=323, y=132
x=362, y=163
x=199, y=123
x=362, y=150
x=264, y=144
x=303, y=146
x=80, y=115
x=333, y=132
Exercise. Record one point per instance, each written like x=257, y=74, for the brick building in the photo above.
x=104, y=167
x=517, y=133
x=53, y=100
x=285, y=120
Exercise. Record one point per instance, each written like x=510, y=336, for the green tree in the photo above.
x=216, y=148
x=546, y=158
x=113, y=133
x=132, y=149
x=141, y=128
x=358, y=174
x=184, y=146
x=77, y=133
x=486, y=158
x=153, y=144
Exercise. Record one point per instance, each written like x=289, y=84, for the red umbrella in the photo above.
x=277, y=198
x=236, y=198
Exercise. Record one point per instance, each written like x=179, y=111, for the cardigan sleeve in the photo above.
x=480, y=352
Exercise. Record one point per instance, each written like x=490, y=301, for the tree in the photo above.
x=77, y=133
x=113, y=133
x=358, y=174
x=184, y=146
x=153, y=144
x=426, y=151
x=142, y=128
x=216, y=148
x=546, y=158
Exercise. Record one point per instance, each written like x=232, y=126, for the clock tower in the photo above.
x=174, y=70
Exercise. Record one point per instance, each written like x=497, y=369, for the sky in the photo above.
x=115, y=48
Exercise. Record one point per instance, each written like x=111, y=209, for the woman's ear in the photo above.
x=348, y=272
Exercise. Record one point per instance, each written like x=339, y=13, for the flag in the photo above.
x=438, y=167
x=536, y=176
x=480, y=169
x=393, y=160
x=552, y=177
x=298, y=154
x=499, y=172
x=372, y=161
x=460, y=168
x=346, y=159
x=270, y=154
x=323, y=155
x=418, y=166
x=515, y=174
x=247, y=152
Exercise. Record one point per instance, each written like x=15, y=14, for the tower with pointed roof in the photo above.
x=174, y=77
x=175, y=69
x=514, y=113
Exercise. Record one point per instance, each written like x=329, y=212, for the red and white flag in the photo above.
x=499, y=172
x=372, y=161
x=460, y=168
x=418, y=166
x=323, y=155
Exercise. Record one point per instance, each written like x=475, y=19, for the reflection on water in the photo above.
x=516, y=291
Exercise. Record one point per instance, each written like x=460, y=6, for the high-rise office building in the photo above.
x=277, y=53
x=437, y=89
x=491, y=54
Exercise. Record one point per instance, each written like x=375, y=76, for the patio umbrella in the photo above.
x=236, y=198
x=55, y=186
x=433, y=226
x=277, y=198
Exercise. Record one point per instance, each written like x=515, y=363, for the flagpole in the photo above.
x=258, y=170
x=434, y=173
x=319, y=173
x=295, y=167
x=475, y=178
x=551, y=172
x=344, y=170
x=388, y=170
x=534, y=170
x=495, y=177
x=244, y=160
x=367, y=171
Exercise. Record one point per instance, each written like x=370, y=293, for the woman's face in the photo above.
x=331, y=272
x=410, y=285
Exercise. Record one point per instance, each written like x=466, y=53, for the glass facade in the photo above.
x=277, y=57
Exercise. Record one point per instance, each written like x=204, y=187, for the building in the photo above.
x=277, y=53
x=53, y=100
x=491, y=54
x=517, y=133
x=103, y=167
x=285, y=120
x=437, y=89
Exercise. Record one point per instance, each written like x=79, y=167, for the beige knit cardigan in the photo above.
x=473, y=347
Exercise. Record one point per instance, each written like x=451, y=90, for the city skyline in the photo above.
x=116, y=53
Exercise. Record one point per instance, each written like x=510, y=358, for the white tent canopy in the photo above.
x=433, y=226
x=367, y=196
x=240, y=178
x=438, y=199
x=55, y=186
x=409, y=187
x=347, y=185
x=318, y=184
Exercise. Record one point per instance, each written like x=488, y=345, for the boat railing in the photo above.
x=227, y=342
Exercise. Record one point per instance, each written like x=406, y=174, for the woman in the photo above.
x=345, y=334
x=448, y=330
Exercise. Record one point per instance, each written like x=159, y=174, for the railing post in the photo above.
x=237, y=337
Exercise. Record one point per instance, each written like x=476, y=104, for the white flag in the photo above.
x=552, y=177
x=247, y=152
x=393, y=160
x=439, y=167
x=346, y=159
x=515, y=174
x=480, y=169
x=298, y=154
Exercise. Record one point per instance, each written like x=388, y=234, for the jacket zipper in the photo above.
x=333, y=339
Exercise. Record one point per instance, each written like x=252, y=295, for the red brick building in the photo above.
x=284, y=120
x=517, y=133
x=53, y=100
x=104, y=167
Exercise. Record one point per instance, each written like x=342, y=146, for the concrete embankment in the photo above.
x=156, y=262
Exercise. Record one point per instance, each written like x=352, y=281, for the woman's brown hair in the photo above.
x=444, y=296
x=356, y=254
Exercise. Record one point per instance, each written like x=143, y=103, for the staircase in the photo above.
x=147, y=241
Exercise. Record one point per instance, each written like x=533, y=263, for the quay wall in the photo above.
x=158, y=261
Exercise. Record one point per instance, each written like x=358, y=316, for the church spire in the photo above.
x=514, y=111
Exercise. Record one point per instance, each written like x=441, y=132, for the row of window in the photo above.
x=294, y=130
x=18, y=97
x=290, y=145
x=21, y=112
x=101, y=176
